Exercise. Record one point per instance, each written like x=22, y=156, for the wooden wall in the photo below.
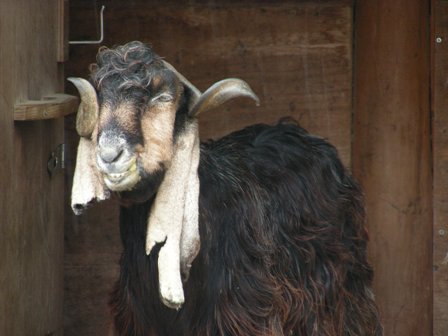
x=297, y=56
x=392, y=156
x=31, y=202
x=439, y=41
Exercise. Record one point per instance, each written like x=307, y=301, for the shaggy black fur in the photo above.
x=283, y=246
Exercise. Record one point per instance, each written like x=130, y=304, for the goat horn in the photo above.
x=88, y=108
x=194, y=90
x=220, y=92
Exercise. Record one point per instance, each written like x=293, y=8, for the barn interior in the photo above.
x=369, y=76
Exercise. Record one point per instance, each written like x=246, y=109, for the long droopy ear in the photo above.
x=169, y=221
x=174, y=216
x=88, y=185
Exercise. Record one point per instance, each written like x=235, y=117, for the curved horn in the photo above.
x=195, y=92
x=88, y=108
x=222, y=91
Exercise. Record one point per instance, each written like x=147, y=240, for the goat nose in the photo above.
x=110, y=154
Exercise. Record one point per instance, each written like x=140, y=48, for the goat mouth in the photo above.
x=124, y=180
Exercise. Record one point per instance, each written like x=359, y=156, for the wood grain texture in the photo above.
x=50, y=107
x=32, y=213
x=296, y=55
x=440, y=162
x=392, y=157
x=93, y=249
x=62, y=30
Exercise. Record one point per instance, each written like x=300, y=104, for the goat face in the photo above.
x=135, y=103
x=135, y=131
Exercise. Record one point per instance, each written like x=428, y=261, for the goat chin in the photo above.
x=146, y=187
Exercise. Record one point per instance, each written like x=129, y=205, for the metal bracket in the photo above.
x=56, y=161
x=101, y=31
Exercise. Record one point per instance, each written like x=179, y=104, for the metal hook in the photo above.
x=101, y=31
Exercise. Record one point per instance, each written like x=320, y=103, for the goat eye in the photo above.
x=162, y=98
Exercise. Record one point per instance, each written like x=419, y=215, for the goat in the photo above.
x=282, y=248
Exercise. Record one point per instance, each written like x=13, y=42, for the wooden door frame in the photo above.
x=392, y=156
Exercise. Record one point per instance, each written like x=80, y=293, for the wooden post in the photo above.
x=392, y=156
x=440, y=159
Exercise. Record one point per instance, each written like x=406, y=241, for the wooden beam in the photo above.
x=392, y=156
x=51, y=107
x=440, y=161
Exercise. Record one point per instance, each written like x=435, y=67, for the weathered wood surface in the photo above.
x=31, y=208
x=297, y=56
x=62, y=30
x=440, y=162
x=50, y=107
x=92, y=252
x=392, y=157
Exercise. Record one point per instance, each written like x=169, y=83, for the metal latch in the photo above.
x=56, y=161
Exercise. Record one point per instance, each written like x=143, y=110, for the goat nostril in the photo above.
x=110, y=154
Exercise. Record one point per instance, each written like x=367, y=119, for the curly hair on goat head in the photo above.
x=281, y=221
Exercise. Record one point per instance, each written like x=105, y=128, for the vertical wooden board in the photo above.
x=31, y=225
x=62, y=31
x=297, y=56
x=92, y=252
x=440, y=161
x=392, y=157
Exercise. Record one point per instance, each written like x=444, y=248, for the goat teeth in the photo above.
x=133, y=167
x=115, y=177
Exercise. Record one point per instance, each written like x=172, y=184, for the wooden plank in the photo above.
x=62, y=31
x=295, y=54
x=50, y=107
x=392, y=157
x=31, y=230
x=92, y=251
x=440, y=161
